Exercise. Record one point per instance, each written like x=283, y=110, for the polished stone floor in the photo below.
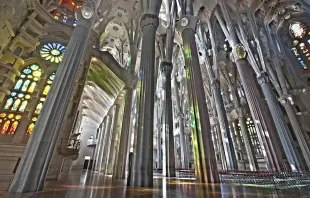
x=91, y=185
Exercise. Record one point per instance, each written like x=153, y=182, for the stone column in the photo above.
x=282, y=128
x=224, y=126
x=159, y=132
x=183, y=148
x=107, y=140
x=122, y=153
x=205, y=161
x=268, y=140
x=98, y=150
x=143, y=167
x=166, y=68
x=221, y=147
x=115, y=132
x=33, y=167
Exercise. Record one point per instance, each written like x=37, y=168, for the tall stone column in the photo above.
x=122, y=153
x=143, y=159
x=166, y=68
x=159, y=134
x=205, y=161
x=99, y=146
x=268, y=140
x=219, y=103
x=33, y=167
x=184, y=152
x=107, y=140
x=224, y=126
x=282, y=128
x=115, y=130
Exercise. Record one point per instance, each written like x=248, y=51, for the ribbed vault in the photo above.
x=102, y=88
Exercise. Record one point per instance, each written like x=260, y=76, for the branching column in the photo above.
x=143, y=162
x=33, y=167
x=205, y=161
x=268, y=140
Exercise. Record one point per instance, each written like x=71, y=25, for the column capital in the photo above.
x=187, y=22
x=166, y=66
x=263, y=78
x=149, y=20
x=239, y=52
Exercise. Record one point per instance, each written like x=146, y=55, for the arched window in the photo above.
x=40, y=103
x=300, y=44
x=18, y=100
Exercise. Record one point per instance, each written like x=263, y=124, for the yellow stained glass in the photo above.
x=34, y=119
x=5, y=127
x=30, y=129
x=13, y=128
x=11, y=116
x=37, y=73
x=32, y=87
x=2, y=115
x=18, y=117
x=46, y=89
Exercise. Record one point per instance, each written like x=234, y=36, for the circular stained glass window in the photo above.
x=297, y=30
x=53, y=52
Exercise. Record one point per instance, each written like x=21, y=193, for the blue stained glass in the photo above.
x=27, y=71
x=13, y=94
x=52, y=77
x=20, y=95
x=18, y=84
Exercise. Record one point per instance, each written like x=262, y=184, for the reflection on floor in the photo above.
x=91, y=185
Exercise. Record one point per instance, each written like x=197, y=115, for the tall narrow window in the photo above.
x=18, y=100
x=40, y=103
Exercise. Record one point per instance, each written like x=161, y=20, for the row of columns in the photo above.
x=33, y=167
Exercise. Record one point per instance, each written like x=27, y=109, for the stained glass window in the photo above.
x=9, y=122
x=53, y=52
x=300, y=44
x=19, y=98
x=40, y=103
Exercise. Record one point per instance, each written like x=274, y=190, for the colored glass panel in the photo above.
x=25, y=85
x=38, y=109
x=297, y=30
x=30, y=129
x=18, y=84
x=46, y=89
x=23, y=106
x=40, y=104
x=5, y=127
x=32, y=87
x=16, y=104
x=13, y=128
x=53, y=52
x=8, y=103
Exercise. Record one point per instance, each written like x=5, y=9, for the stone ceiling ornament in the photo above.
x=184, y=21
x=88, y=9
